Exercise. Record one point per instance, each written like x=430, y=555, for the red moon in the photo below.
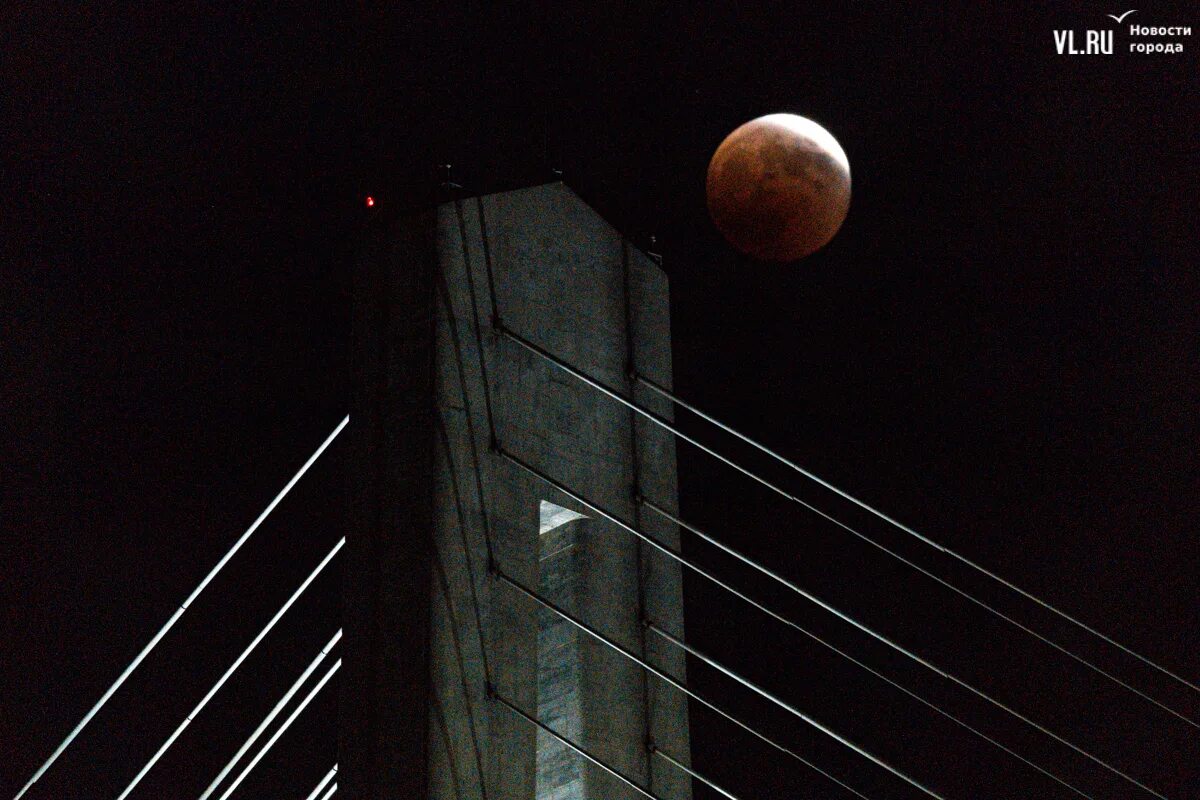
x=779, y=187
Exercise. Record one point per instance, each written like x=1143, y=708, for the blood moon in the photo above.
x=779, y=187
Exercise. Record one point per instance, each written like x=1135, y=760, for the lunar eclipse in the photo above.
x=778, y=187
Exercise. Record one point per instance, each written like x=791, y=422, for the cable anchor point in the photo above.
x=653, y=251
x=446, y=184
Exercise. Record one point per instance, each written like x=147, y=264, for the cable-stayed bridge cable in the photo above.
x=635, y=463
x=674, y=398
x=931, y=706
x=232, y=669
x=670, y=427
x=477, y=469
x=662, y=675
x=616, y=773
x=840, y=615
x=279, y=706
x=170, y=623
x=812, y=598
x=477, y=472
x=611, y=770
x=478, y=329
x=679, y=765
x=456, y=643
x=437, y=706
x=761, y=692
x=803, y=717
x=909, y=654
x=329, y=776
x=487, y=260
x=282, y=729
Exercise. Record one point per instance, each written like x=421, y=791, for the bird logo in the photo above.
x=1121, y=18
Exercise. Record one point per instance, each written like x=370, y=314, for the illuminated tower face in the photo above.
x=560, y=674
x=565, y=280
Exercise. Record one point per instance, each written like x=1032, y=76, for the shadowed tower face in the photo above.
x=562, y=278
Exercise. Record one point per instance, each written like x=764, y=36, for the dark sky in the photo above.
x=999, y=349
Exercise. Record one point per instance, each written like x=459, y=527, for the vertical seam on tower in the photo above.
x=630, y=371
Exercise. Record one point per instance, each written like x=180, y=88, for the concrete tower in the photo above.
x=447, y=519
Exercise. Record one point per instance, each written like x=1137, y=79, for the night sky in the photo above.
x=999, y=349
